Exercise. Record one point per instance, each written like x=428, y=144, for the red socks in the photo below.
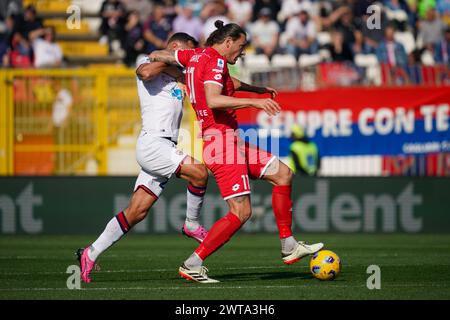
x=219, y=234
x=223, y=229
x=282, y=208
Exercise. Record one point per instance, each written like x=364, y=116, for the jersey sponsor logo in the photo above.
x=236, y=187
x=220, y=63
x=217, y=70
x=177, y=93
x=218, y=76
x=195, y=58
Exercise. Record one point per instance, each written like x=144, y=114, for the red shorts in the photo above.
x=233, y=162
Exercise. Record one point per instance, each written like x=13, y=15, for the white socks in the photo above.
x=194, y=261
x=114, y=230
x=194, y=202
x=288, y=244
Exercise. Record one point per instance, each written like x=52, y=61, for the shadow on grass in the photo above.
x=251, y=276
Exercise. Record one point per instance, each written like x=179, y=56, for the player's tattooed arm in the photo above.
x=148, y=71
x=216, y=100
x=242, y=86
x=166, y=56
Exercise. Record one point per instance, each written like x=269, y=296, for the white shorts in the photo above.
x=159, y=160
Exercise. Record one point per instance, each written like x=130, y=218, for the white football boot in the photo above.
x=301, y=251
x=196, y=274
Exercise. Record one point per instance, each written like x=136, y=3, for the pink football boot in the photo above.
x=198, y=235
x=86, y=264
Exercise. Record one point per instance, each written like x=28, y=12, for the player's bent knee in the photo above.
x=241, y=207
x=200, y=178
x=284, y=176
x=203, y=175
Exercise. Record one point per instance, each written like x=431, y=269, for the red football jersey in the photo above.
x=206, y=65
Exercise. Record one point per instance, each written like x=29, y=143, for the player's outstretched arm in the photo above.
x=216, y=100
x=242, y=86
x=166, y=56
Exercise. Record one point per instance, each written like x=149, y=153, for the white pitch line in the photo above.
x=205, y=287
x=133, y=271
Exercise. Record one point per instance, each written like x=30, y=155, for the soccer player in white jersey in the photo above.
x=161, y=98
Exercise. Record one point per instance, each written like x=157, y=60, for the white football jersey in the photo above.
x=161, y=104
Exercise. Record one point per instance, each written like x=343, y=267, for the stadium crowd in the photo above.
x=284, y=26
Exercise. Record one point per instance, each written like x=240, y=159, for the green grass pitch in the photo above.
x=249, y=266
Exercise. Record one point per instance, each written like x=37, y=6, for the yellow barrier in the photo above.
x=56, y=121
x=49, y=6
x=61, y=27
x=64, y=121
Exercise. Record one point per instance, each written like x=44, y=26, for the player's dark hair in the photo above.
x=222, y=32
x=182, y=37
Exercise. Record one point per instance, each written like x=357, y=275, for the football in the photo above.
x=325, y=265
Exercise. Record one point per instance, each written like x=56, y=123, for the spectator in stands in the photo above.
x=196, y=5
x=113, y=14
x=170, y=12
x=340, y=50
x=345, y=25
x=441, y=50
x=431, y=30
x=413, y=16
x=423, y=6
x=359, y=8
x=391, y=52
x=398, y=12
x=10, y=7
x=29, y=21
x=143, y=7
x=212, y=11
x=47, y=53
x=360, y=46
x=301, y=33
x=5, y=39
x=443, y=8
x=290, y=7
x=240, y=11
x=373, y=36
x=264, y=33
x=328, y=21
x=133, y=42
x=20, y=54
x=304, y=158
x=273, y=5
x=186, y=22
x=157, y=30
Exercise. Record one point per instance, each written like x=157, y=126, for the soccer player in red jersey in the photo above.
x=232, y=160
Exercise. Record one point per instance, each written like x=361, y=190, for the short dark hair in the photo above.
x=219, y=35
x=182, y=37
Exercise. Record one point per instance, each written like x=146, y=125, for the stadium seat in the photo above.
x=284, y=61
x=283, y=39
x=308, y=60
x=407, y=40
x=49, y=6
x=83, y=48
x=89, y=6
x=366, y=60
x=371, y=65
x=427, y=58
x=61, y=28
x=398, y=15
x=257, y=62
x=325, y=54
x=323, y=38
